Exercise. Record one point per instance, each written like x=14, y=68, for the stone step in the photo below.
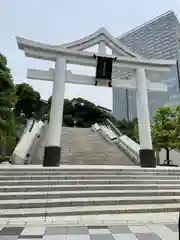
x=85, y=168
x=87, y=194
x=89, y=177
x=93, y=142
x=16, y=181
x=77, y=187
x=89, y=210
x=90, y=172
x=95, y=161
x=80, y=190
x=91, y=201
x=88, y=169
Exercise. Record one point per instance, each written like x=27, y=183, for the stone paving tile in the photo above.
x=32, y=237
x=10, y=237
x=124, y=237
x=76, y=232
x=102, y=237
x=55, y=230
x=33, y=231
x=162, y=231
x=147, y=236
x=139, y=229
x=11, y=231
x=53, y=237
x=77, y=237
x=120, y=229
x=173, y=227
x=100, y=231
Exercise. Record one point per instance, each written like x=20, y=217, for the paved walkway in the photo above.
x=160, y=226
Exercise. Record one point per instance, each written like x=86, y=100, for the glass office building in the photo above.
x=157, y=39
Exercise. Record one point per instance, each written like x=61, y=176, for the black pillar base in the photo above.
x=179, y=225
x=147, y=158
x=52, y=155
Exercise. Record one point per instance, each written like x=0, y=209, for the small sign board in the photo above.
x=104, y=71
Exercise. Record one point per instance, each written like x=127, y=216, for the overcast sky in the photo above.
x=60, y=21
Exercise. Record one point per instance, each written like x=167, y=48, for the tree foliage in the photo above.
x=165, y=130
x=7, y=100
x=86, y=113
x=6, y=95
x=19, y=99
x=81, y=113
x=6, y=83
x=28, y=100
x=127, y=128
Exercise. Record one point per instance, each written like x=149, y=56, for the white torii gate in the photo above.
x=72, y=53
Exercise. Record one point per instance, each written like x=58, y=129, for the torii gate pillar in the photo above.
x=146, y=153
x=53, y=148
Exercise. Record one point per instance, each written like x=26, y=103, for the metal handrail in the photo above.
x=117, y=131
x=125, y=147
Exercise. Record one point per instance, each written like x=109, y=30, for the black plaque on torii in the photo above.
x=104, y=69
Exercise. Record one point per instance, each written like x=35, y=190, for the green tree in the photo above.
x=28, y=102
x=68, y=107
x=68, y=121
x=6, y=114
x=165, y=130
x=128, y=128
x=86, y=113
x=7, y=97
x=8, y=142
x=80, y=112
x=6, y=83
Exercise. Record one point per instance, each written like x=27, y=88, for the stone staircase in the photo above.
x=34, y=191
x=82, y=146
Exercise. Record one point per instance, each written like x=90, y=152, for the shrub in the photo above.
x=4, y=159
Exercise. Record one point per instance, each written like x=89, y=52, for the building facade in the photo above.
x=157, y=39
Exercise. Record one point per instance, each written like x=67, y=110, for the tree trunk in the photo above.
x=4, y=145
x=167, y=156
